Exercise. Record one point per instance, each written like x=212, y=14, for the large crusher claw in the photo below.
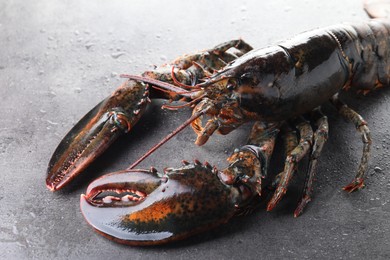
x=140, y=207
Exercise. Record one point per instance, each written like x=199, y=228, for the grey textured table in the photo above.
x=60, y=58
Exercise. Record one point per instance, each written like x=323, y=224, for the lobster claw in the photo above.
x=140, y=207
x=94, y=133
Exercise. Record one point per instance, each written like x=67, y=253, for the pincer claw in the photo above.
x=140, y=207
x=94, y=133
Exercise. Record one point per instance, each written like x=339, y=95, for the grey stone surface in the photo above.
x=60, y=58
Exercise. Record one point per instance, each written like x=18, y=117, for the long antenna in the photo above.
x=168, y=137
x=161, y=84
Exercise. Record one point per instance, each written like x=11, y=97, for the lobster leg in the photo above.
x=320, y=137
x=361, y=125
x=290, y=139
x=305, y=142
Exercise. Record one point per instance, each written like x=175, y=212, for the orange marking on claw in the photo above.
x=155, y=212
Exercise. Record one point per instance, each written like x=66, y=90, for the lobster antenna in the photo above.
x=168, y=137
x=176, y=107
x=161, y=84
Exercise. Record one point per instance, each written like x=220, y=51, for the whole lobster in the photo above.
x=281, y=88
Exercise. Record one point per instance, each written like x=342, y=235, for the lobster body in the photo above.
x=278, y=87
x=294, y=77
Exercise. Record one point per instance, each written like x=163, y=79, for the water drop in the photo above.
x=51, y=122
x=15, y=230
x=76, y=32
x=378, y=169
x=116, y=55
x=163, y=57
x=114, y=74
x=88, y=45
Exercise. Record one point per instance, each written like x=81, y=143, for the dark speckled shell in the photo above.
x=294, y=77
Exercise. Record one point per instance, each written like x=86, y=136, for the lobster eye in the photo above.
x=232, y=84
x=247, y=78
x=230, y=87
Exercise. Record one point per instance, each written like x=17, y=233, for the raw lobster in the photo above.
x=277, y=87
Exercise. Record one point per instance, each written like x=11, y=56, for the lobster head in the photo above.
x=250, y=88
x=247, y=89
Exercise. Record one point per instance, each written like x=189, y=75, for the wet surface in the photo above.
x=60, y=58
